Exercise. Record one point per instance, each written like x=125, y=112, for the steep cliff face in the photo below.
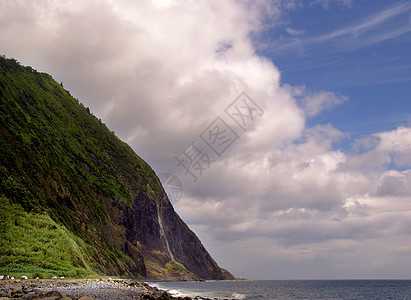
x=163, y=238
x=65, y=175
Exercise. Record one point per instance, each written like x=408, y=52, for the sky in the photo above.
x=285, y=124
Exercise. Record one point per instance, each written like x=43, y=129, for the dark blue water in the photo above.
x=292, y=289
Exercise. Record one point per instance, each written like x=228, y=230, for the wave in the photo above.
x=185, y=291
x=172, y=292
x=238, y=296
x=176, y=293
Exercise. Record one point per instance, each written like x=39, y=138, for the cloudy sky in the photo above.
x=288, y=123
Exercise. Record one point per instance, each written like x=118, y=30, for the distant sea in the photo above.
x=291, y=289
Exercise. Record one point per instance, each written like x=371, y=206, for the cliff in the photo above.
x=75, y=199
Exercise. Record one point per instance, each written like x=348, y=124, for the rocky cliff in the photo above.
x=75, y=200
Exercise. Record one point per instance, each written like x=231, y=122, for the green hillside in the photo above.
x=74, y=199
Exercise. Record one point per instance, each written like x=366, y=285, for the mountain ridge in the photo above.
x=65, y=173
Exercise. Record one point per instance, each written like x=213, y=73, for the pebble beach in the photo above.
x=81, y=289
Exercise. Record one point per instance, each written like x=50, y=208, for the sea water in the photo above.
x=291, y=289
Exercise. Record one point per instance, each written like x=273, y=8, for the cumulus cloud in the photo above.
x=314, y=103
x=397, y=144
x=306, y=195
x=282, y=195
x=395, y=183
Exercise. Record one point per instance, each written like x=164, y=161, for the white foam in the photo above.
x=238, y=296
x=174, y=293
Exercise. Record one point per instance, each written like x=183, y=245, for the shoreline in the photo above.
x=81, y=289
x=179, y=293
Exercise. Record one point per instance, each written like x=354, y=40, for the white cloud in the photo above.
x=313, y=104
x=386, y=24
x=395, y=183
x=371, y=30
x=327, y=3
x=294, y=32
x=396, y=143
x=160, y=72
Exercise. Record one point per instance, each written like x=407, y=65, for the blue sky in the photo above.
x=319, y=184
x=360, y=49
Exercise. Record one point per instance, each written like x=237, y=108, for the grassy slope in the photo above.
x=57, y=158
x=34, y=245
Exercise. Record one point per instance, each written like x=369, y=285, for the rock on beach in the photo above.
x=85, y=289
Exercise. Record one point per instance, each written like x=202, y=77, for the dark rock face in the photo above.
x=142, y=227
x=187, y=248
x=141, y=222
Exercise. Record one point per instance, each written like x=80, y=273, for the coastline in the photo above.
x=80, y=289
x=185, y=290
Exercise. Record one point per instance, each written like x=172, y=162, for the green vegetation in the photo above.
x=75, y=200
x=36, y=246
x=61, y=143
x=60, y=170
x=175, y=267
x=171, y=270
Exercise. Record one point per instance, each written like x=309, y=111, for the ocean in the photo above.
x=291, y=289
